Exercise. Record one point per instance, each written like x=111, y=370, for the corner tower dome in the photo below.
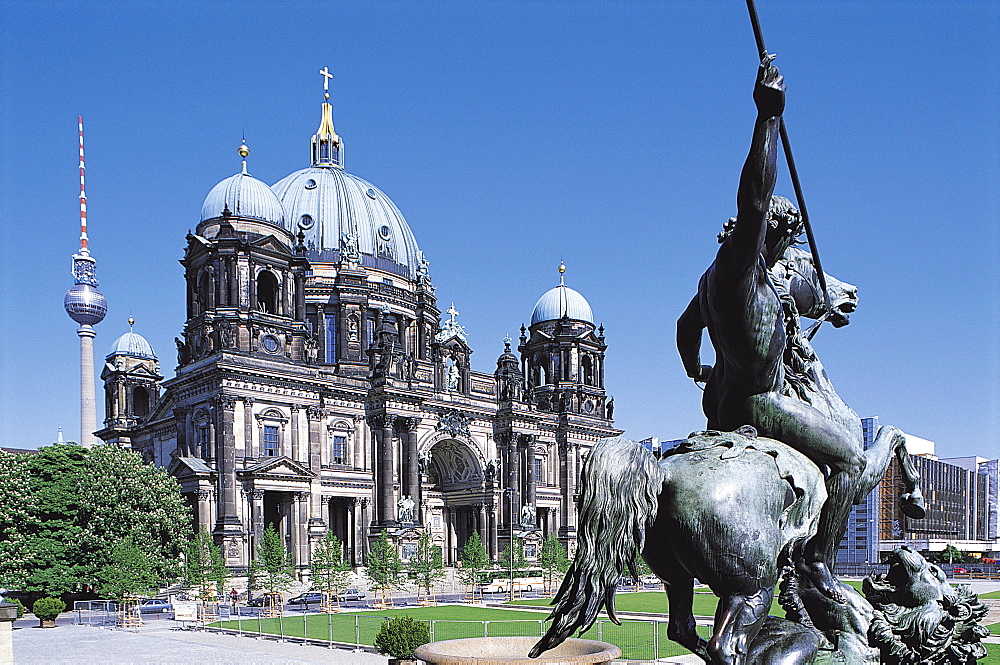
x=338, y=211
x=245, y=196
x=562, y=301
x=132, y=345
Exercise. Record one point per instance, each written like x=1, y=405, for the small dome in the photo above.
x=246, y=197
x=561, y=301
x=329, y=205
x=132, y=345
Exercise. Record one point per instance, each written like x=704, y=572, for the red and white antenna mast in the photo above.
x=83, y=195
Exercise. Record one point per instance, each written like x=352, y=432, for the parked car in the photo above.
x=155, y=605
x=351, y=594
x=306, y=598
x=959, y=571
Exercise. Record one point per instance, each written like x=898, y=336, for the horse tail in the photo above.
x=620, y=482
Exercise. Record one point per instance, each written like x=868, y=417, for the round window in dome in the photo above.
x=310, y=184
x=270, y=343
x=370, y=193
x=306, y=222
x=384, y=232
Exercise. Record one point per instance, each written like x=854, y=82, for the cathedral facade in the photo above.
x=319, y=387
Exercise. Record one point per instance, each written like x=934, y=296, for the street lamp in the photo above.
x=509, y=491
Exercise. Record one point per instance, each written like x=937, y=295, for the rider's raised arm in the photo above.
x=689, y=327
x=759, y=171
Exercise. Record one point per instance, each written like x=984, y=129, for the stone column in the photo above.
x=248, y=427
x=296, y=450
x=353, y=533
x=482, y=524
x=256, y=519
x=315, y=415
x=321, y=333
x=411, y=465
x=229, y=522
x=513, y=472
x=492, y=526
x=180, y=426
x=530, y=480
x=205, y=515
x=385, y=509
x=8, y=614
x=366, y=520
x=358, y=442
x=300, y=538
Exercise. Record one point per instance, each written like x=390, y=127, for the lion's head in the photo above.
x=919, y=615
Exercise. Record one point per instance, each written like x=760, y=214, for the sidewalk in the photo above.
x=156, y=644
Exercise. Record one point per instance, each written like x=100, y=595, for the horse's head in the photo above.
x=801, y=280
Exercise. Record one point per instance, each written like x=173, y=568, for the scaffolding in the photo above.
x=129, y=615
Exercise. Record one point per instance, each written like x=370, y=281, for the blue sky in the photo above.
x=510, y=135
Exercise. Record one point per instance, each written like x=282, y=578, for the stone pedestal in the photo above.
x=8, y=612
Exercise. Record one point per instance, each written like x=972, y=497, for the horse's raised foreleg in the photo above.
x=888, y=442
x=738, y=619
x=681, y=627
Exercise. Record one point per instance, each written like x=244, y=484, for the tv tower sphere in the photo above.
x=85, y=304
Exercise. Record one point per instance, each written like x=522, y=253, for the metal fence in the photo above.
x=639, y=640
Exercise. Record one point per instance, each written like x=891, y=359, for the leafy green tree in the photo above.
x=553, y=560
x=330, y=572
x=78, y=506
x=400, y=636
x=426, y=564
x=16, y=520
x=198, y=562
x=272, y=567
x=128, y=573
x=950, y=554
x=384, y=569
x=518, y=562
x=54, y=561
x=474, y=560
x=123, y=497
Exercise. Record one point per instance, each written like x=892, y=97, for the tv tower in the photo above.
x=87, y=306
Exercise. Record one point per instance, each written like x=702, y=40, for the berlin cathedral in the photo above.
x=320, y=387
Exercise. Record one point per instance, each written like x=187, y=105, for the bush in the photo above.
x=47, y=609
x=400, y=637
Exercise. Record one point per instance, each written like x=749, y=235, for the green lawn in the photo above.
x=991, y=595
x=634, y=637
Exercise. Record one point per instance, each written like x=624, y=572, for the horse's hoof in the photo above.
x=912, y=505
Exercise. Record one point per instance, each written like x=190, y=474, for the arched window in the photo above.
x=267, y=292
x=588, y=370
x=203, y=294
x=140, y=402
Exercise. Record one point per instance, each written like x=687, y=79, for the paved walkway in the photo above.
x=160, y=644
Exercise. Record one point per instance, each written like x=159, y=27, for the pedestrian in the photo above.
x=233, y=595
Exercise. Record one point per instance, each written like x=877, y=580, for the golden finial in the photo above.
x=244, y=150
x=131, y=322
x=562, y=272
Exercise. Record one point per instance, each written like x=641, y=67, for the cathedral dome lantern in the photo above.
x=132, y=345
x=344, y=217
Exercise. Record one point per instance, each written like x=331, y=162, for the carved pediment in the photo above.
x=278, y=468
x=272, y=244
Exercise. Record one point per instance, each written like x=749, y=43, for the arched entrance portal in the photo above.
x=455, y=488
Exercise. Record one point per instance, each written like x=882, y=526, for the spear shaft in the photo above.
x=790, y=160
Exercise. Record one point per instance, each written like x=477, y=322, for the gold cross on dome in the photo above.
x=325, y=73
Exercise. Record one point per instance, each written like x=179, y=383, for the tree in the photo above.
x=123, y=497
x=474, y=560
x=426, y=563
x=128, y=573
x=385, y=570
x=949, y=554
x=79, y=505
x=330, y=572
x=553, y=560
x=518, y=557
x=15, y=520
x=272, y=567
x=198, y=562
